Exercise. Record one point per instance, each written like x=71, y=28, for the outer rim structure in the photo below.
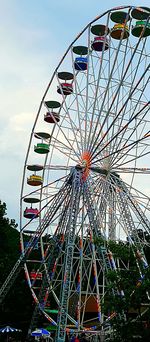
x=102, y=133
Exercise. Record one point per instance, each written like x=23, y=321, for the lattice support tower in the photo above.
x=65, y=289
x=112, y=216
x=101, y=250
x=46, y=283
x=136, y=207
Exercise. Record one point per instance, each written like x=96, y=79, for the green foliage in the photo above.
x=130, y=313
x=4, y=221
x=17, y=306
x=2, y=210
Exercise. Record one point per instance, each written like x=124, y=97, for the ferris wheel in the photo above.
x=86, y=171
x=87, y=166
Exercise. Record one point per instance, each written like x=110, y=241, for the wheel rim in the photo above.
x=104, y=128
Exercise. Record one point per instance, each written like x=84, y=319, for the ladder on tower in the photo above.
x=65, y=288
x=96, y=224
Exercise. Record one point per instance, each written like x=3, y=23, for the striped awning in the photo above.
x=8, y=329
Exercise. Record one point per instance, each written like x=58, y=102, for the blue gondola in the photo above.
x=80, y=63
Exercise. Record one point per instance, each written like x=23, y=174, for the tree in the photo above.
x=17, y=308
x=128, y=322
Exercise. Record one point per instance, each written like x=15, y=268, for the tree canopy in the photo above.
x=17, y=307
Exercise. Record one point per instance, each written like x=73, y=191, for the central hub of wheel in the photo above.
x=85, y=164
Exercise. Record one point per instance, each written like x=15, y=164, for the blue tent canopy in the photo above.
x=40, y=332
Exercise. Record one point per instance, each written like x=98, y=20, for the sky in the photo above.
x=34, y=35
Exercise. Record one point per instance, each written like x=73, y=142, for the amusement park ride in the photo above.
x=85, y=175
